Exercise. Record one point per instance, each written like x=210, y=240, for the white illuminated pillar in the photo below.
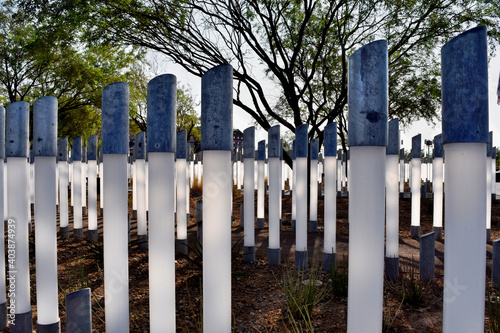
x=367, y=138
x=261, y=189
x=415, y=184
x=274, y=251
x=489, y=175
x=76, y=153
x=115, y=146
x=62, y=165
x=45, y=150
x=182, y=239
x=301, y=146
x=217, y=114
x=161, y=164
x=3, y=213
x=402, y=170
x=437, y=186
x=18, y=189
x=330, y=198
x=464, y=75
x=92, y=187
x=140, y=174
x=294, y=186
x=313, y=189
x=249, y=195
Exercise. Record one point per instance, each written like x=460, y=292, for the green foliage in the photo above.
x=412, y=290
x=340, y=279
x=303, y=290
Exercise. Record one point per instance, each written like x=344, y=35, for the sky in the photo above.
x=242, y=120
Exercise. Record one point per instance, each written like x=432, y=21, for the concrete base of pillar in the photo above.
x=71, y=210
x=3, y=316
x=78, y=233
x=181, y=246
x=23, y=323
x=101, y=211
x=329, y=261
x=142, y=242
x=274, y=257
x=415, y=231
x=438, y=233
x=134, y=214
x=404, y=195
x=92, y=235
x=488, y=235
x=30, y=227
x=293, y=225
x=300, y=259
x=313, y=226
x=84, y=210
x=391, y=268
x=260, y=224
x=49, y=328
x=248, y=253
x=64, y=232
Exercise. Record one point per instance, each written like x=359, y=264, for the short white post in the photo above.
x=392, y=202
x=216, y=144
x=464, y=73
x=261, y=185
x=330, y=201
x=115, y=147
x=161, y=154
x=249, y=195
x=402, y=170
x=62, y=165
x=140, y=173
x=367, y=138
x=45, y=150
x=437, y=186
x=313, y=187
x=18, y=189
x=273, y=152
x=92, y=232
x=415, y=185
x=76, y=156
x=181, y=154
x=301, y=146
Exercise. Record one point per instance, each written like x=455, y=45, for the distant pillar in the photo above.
x=330, y=201
x=274, y=251
x=92, y=187
x=313, y=203
x=62, y=164
x=301, y=145
x=249, y=195
x=181, y=155
x=261, y=189
x=437, y=186
x=415, y=184
x=76, y=157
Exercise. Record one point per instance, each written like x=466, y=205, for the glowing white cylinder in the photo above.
x=392, y=206
x=401, y=176
x=217, y=190
x=46, y=244
x=181, y=199
x=366, y=239
x=437, y=189
x=72, y=185
x=255, y=175
x=5, y=198
x=77, y=196
x=92, y=189
x=134, y=185
x=301, y=205
x=260, y=190
x=18, y=189
x=294, y=187
x=415, y=191
x=116, y=243
x=493, y=174
x=140, y=173
x=464, y=254
x=161, y=242
x=330, y=219
x=63, y=190
x=147, y=185
x=313, y=204
x=32, y=183
x=249, y=199
x=187, y=189
x=274, y=198
x=84, y=183
x=488, y=192
x=191, y=174
x=101, y=188
x=339, y=175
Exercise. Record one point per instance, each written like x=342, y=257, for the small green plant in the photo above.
x=94, y=252
x=493, y=312
x=412, y=290
x=340, y=278
x=196, y=312
x=196, y=257
x=303, y=290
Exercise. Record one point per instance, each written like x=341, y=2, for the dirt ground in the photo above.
x=258, y=302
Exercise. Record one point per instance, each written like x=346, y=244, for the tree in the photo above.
x=37, y=62
x=302, y=47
